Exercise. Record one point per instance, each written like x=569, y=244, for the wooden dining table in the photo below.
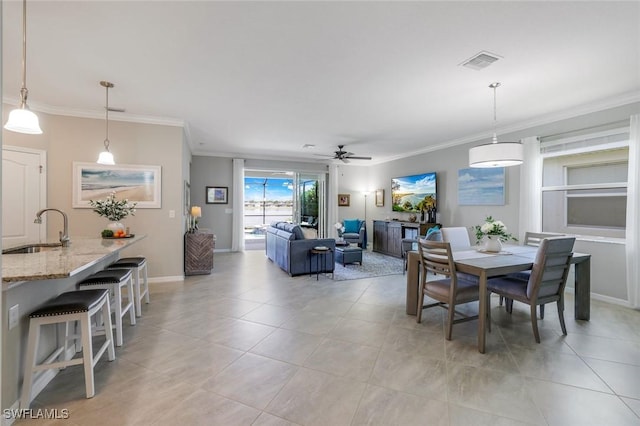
x=485, y=265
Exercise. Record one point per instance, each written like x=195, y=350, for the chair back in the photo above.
x=534, y=239
x=457, y=236
x=436, y=257
x=550, y=268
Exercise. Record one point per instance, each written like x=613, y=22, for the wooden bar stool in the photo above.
x=138, y=265
x=71, y=306
x=114, y=280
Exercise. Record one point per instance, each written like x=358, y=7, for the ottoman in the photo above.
x=348, y=254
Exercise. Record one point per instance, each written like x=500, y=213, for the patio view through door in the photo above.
x=271, y=196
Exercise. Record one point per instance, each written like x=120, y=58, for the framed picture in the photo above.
x=136, y=183
x=187, y=198
x=217, y=195
x=379, y=197
x=344, y=200
x=481, y=186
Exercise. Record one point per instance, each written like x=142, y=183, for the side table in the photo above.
x=198, y=253
x=319, y=252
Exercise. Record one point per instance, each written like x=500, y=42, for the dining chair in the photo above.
x=457, y=236
x=546, y=282
x=436, y=257
x=409, y=244
x=532, y=239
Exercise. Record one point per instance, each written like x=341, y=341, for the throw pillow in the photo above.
x=434, y=234
x=351, y=226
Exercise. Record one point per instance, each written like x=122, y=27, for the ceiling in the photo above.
x=262, y=79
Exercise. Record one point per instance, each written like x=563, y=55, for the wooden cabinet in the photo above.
x=198, y=253
x=388, y=235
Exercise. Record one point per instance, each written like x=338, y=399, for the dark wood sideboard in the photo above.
x=388, y=235
x=198, y=253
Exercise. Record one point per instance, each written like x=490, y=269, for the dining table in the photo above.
x=485, y=265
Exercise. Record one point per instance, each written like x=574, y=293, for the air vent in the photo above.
x=480, y=60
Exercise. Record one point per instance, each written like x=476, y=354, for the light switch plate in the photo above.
x=14, y=316
x=172, y=214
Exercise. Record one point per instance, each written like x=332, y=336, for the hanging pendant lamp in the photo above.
x=22, y=119
x=106, y=157
x=496, y=154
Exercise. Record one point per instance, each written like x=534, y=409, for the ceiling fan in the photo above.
x=345, y=156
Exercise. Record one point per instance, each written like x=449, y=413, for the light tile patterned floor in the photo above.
x=249, y=345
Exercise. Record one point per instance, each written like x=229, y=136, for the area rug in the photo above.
x=373, y=265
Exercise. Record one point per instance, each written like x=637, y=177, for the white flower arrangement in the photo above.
x=493, y=227
x=113, y=209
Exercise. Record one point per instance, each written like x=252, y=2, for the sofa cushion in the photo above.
x=351, y=226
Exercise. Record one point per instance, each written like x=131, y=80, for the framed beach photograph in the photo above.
x=379, y=197
x=481, y=186
x=344, y=200
x=136, y=183
x=217, y=195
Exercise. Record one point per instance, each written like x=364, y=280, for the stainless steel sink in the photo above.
x=31, y=248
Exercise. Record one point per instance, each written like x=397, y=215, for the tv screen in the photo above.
x=413, y=193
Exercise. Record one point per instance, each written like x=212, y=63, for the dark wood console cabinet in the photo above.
x=198, y=253
x=388, y=235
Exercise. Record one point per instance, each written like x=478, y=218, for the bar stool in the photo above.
x=138, y=265
x=114, y=280
x=71, y=306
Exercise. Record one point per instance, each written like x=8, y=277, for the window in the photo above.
x=584, y=185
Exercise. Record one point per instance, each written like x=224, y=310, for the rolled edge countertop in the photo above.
x=61, y=262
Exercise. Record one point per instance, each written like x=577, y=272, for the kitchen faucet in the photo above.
x=64, y=234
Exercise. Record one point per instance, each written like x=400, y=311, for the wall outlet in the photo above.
x=14, y=316
x=172, y=214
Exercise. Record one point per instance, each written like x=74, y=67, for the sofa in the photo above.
x=287, y=247
x=355, y=232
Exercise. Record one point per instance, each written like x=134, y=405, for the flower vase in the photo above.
x=115, y=226
x=492, y=244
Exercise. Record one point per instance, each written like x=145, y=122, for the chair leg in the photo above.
x=420, y=307
x=450, y=314
x=32, y=347
x=508, y=303
x=501, y=300
x=534, y=323
x=541, y=311
x=488, y=303
x=560, y=304
x=87, y=355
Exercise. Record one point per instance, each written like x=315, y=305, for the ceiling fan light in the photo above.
x=22, y=120
x=106, y=158
x=503, y=154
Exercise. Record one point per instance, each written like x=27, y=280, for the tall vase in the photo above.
x=492, y=243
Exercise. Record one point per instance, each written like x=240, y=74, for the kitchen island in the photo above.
x=29, y=280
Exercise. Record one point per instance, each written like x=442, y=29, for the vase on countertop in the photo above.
x=115, y=226
x=492, y=243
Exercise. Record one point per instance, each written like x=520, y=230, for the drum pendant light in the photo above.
x=496, y=154
x=22, y=119
x=106, y=157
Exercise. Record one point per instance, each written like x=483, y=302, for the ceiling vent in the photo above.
x=480, y=60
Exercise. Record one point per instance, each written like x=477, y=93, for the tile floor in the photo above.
x=248, y=345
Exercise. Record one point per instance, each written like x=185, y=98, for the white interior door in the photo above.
x=23, y=194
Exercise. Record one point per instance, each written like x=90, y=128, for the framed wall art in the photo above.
x=379, y=197
x=217, y=195
x=344, y=200
x=481, y=187
x=136, y=183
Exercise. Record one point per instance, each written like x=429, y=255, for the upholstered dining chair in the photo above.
x=532, y=239
x=449, y=291
x=546, y=282
x=457, y=236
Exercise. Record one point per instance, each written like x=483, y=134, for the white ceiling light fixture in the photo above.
x=22, y=119
x=106, y=157
x=496, y=154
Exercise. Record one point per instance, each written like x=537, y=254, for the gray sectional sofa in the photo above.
x=287, y=247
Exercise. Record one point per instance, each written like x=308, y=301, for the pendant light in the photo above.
x=496, y=154
x=106, y=157
x=21, y=119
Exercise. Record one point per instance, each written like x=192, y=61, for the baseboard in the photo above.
x=603, y=298
x=166, y=279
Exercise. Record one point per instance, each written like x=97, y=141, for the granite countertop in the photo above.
x=61, y=262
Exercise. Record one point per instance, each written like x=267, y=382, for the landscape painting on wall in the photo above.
x=140, y=184
x=481, y=187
